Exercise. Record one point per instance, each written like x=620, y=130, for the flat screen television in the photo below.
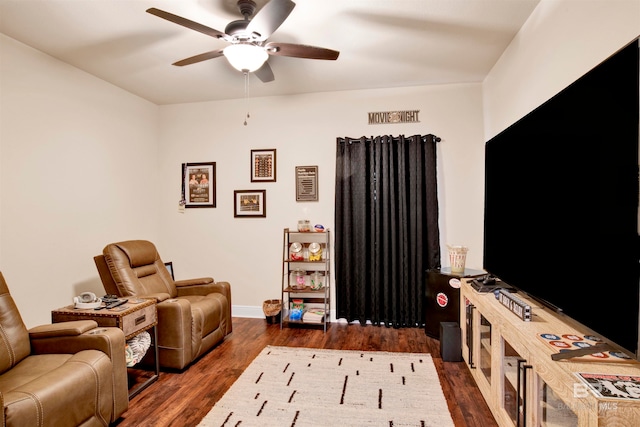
x=561, y=202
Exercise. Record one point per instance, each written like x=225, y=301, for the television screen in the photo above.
x=561, y=201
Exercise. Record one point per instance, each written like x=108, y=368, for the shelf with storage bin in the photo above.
x=306, y=278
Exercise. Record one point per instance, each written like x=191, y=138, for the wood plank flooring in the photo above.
x=184, y=398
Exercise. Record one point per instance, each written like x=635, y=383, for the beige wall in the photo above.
x=303, y=129
x=561, y=41
x=78, y=169
x=83, y=163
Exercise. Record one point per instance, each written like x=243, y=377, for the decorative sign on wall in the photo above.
x=306, y=183
x=384, y=117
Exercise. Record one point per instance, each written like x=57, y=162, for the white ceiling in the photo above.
x=382, y=43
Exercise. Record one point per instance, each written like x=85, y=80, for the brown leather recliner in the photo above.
x=193, y=315
x=63, y=374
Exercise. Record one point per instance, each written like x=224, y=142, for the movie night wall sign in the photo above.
x=387, y=117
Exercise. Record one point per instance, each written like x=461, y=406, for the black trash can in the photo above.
x=450, y=342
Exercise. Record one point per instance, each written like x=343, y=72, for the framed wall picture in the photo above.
x=199, y=185
x=306, y=183
x=169, y=266
x=250, y=203
x=263, y=165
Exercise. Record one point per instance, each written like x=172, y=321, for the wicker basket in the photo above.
x=271, y=307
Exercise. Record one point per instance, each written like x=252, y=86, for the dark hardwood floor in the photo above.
x=184, y=398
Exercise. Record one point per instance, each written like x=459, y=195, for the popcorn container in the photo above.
x=457, y=258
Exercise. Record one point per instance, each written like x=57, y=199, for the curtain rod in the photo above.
x=435, y=138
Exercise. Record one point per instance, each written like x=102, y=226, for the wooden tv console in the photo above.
x=511, y=361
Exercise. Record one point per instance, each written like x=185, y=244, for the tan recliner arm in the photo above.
x=62, y=329
x=193, y=287
x=72, y=337
x=200, y=286
x=194, y=282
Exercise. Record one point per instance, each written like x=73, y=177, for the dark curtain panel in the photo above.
x=386, y=228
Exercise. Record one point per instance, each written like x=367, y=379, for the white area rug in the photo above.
x=288, y=386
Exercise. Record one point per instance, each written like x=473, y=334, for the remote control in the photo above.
x=112, y=304
x=117, y=303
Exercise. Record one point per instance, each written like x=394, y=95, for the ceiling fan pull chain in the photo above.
x=246, y=94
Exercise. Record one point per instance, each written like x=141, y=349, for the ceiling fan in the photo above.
x=249, y=50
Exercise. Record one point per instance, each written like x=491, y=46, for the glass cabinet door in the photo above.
x=514, y=371
x=552, y=411
x=485, y=348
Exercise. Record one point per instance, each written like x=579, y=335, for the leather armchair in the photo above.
x=193, y=315
x=63, y=374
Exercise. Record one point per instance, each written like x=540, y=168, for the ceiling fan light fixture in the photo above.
x=245, y=57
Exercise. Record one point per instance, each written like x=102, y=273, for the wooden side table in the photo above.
x=134, y=317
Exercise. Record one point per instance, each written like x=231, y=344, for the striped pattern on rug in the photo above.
x=289, y=386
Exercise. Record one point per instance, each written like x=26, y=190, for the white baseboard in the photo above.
x=247, y=311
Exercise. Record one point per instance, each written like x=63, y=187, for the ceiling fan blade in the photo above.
x=187, y=23
x=270, y=17
x=199, y=58
x=265, y=73
x=300, y=51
